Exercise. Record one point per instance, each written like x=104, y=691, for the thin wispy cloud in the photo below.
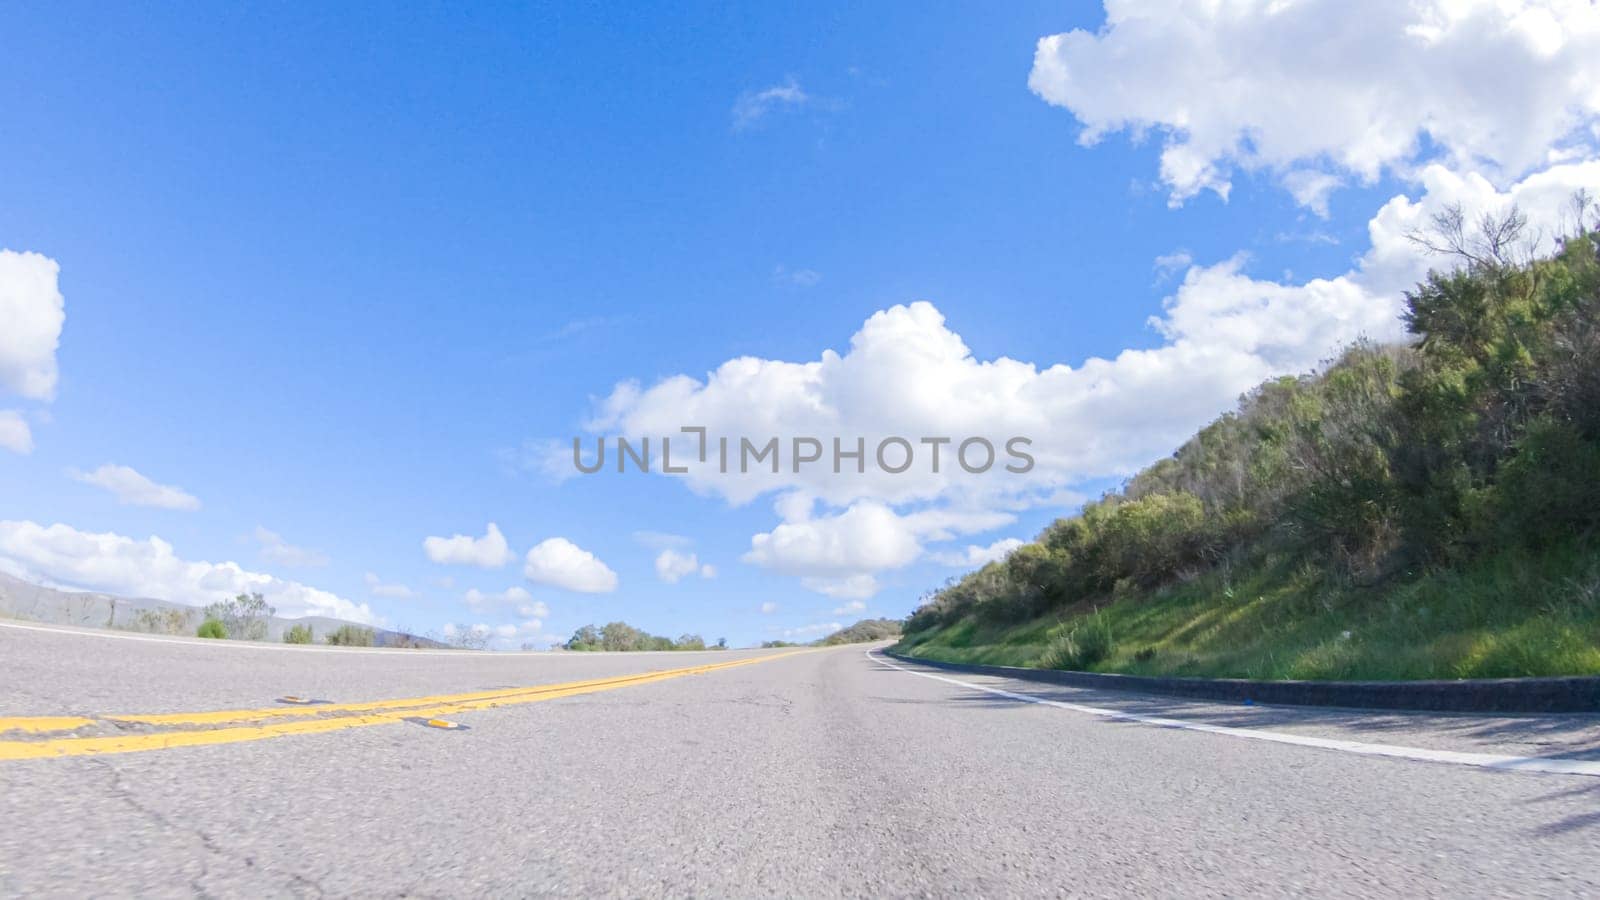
x=132, y=488
x=275, y=549
x=753, y=106
x=796, y=277
x=661, y=540
x=575, y=327
x=377, y=587
x=1169, y=264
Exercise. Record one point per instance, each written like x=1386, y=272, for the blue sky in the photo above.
x=338, y=273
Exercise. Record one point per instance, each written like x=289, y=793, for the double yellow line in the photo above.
x=194, y=729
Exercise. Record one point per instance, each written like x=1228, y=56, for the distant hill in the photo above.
x=864, y=631
x=35, y=603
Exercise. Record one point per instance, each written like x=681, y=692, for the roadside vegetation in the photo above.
x=161, y=621
x=1427, y=510
x=243, y=618
x=350, y=636
x=864, y=631
x=620, y=636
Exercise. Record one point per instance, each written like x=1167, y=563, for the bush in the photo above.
x=212, y=628
x=162, y=621
x=1550, y=489
x=1149, y=540
x=297, y=634
x=350, y=636
x=1084, y=645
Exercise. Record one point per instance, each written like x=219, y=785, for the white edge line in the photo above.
x=1543, y=764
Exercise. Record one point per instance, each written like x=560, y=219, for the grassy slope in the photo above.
x=1515, y=614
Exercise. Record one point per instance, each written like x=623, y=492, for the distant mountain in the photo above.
x=35, y=603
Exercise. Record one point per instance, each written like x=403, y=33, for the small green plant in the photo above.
x=1083, y=646
x=212, y=628
x=351, y=636
x=297, y=634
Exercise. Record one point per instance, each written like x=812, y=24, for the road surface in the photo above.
x=819, y=773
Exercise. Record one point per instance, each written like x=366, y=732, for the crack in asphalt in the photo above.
x=120, y=790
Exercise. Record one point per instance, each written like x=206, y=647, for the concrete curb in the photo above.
x=1499, y=695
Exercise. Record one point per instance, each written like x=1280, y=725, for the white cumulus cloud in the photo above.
x=674, y=565
x=104, y=561
x=974, y=556
x=560, y=563
x=489, y=552
x=866, y=537
x=131, y=487
x=33, y=310
x=1318, y=90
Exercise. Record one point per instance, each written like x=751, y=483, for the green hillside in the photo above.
x=1425, y=510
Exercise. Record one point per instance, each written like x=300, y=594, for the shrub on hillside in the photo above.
x=1084, y=645
x=212, y=628
x=863, y=631
x=162, y=621
x=297, y=634
x=350, y=636
x=1550, y=488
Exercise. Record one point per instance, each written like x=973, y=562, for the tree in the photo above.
x=620, y=636
x=585, y=638
x=244, y=617
x=467, y=637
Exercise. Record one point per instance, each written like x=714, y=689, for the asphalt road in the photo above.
x=811, y=774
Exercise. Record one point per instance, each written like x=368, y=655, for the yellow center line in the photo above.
x=42, y=723
x=321, y=709
x=364, y=715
